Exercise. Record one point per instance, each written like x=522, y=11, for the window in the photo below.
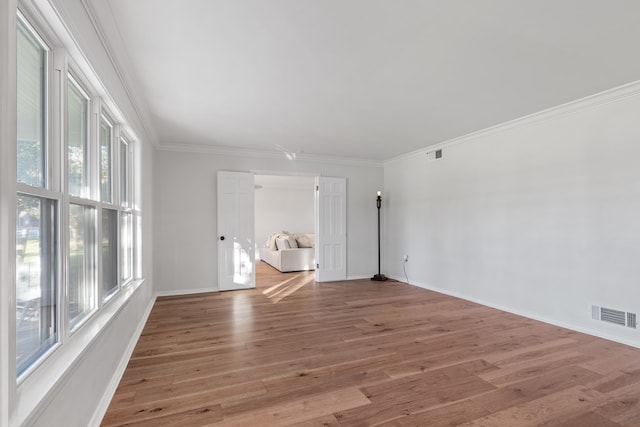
x=36, y=286
x=75, y=238
x=109, y=252
x=32, y=55
x=82, y=292
x=124, y=173
x=126, y=257
x=126, y=216
x=77, y=139
x=106, y=135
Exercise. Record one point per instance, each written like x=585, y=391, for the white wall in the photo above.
x=185, y=246
x=540, y=218
x=284, y=203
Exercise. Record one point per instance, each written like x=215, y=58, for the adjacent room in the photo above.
x=285, y=222
x=319, y=213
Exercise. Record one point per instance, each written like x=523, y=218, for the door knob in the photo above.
x=221, y=237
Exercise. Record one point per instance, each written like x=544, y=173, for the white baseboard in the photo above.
x=359, y=277
x=101, y=410
x=185, y=292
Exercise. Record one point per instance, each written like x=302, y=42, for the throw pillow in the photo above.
x=292, y=242
x=271, y=243
x=305, y=240
x=282, y=243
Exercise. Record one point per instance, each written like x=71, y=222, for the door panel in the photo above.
x=236, y=248
x=331, y=229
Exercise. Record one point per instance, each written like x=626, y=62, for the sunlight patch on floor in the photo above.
x=277, y=293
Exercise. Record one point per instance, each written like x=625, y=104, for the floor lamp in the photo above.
x=379, y=277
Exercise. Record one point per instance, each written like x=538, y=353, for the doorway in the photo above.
x=237, y=239
x=283, y=204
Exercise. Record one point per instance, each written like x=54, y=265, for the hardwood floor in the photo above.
x=363, y=353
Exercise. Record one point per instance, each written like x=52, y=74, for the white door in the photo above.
x=236, y=249
x=331, y=229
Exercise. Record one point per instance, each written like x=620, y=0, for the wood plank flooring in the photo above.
x=363, y=353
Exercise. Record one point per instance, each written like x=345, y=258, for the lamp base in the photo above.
x=379, y=278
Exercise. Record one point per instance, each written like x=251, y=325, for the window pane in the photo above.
x=137, y=272
x=77, y=106
x=31, y=116
x=36, y=297
x=81, y=262
x=105, y=161
x=124, y=173
x=109, y=251
x=126, y=239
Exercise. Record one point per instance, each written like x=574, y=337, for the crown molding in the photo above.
x=123, y=77
x=268, y=154
x=596, y=100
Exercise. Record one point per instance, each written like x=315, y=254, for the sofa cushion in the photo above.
x=305, y=240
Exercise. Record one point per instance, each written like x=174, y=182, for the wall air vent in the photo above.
x=612, y=316
x=617, y=317
x=434, y=155
x=631, y=320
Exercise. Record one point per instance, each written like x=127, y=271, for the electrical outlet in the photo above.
x=406, y=258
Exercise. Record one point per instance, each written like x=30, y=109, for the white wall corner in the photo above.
x=536, y=217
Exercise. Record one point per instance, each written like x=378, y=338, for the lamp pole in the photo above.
x=379, y=277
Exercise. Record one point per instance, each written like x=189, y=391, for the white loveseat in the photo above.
x=289, y=252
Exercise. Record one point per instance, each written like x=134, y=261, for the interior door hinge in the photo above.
x=317, y=265
x=317, y=188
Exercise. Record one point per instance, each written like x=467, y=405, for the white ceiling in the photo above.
x=369, y=79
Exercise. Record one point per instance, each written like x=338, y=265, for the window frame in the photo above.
x=49, y=190
x=55, y=274
x=75, y=323
x=125, y=177
x=104, y=296
x=87, y=191
x=23, y=20
x=124, y=172
x=103, y=116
